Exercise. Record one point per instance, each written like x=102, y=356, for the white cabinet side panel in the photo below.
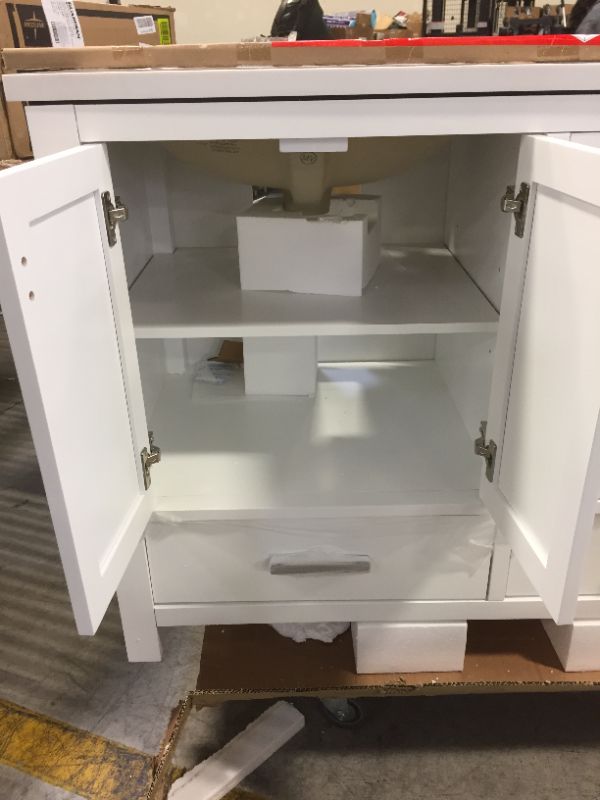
x=466, y=362
x=477, y=232
x=152, y=361
x=160, y=213
x=128, y=167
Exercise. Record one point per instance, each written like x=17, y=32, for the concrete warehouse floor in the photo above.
x=531, y=747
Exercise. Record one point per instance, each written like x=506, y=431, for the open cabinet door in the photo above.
x=64, y=295
x=545, y=401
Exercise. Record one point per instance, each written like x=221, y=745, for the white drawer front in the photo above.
x=398, y=558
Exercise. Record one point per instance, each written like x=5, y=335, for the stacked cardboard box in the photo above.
x=362, y=28
x=386, y=27
x=24, y=24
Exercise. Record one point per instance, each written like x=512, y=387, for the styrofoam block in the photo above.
x=220, y=773
x=577, y=645
x=388, y=647
x=280, y=366
x=336, y=253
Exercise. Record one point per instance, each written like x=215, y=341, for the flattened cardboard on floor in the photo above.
x=460, y=50
x=253, y=661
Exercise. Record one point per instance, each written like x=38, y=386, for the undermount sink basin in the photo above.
x=306, y=179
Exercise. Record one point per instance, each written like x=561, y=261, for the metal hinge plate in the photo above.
x=149, y=458
x=113, y=214
x=517, y=206
x=487, y=450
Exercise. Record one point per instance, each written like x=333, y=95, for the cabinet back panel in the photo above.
x=414, y=202
x=376, y=348
x=203, y=208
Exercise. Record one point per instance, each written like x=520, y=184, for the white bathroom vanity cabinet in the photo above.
x=473, y=314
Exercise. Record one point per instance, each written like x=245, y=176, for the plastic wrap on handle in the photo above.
x=318, y=562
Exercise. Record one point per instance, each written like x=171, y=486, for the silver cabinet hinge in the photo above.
x=113, y=214
x=517, y=206
x=149, y=458
x=487, y=450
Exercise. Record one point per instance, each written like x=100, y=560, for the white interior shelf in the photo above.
x=377, y=439
x=195, y=293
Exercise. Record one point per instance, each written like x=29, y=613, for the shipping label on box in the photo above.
x=63, y=23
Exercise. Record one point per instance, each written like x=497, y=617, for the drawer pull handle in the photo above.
x=317, y=564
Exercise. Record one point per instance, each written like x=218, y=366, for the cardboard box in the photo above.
x=363, y=29
x=397, y=33
x=335, y=253
x=9, y=162
x=535, y=12
x=6, y=145
x=568, y=7
x=386, y=27
x=563, y=48
x=364, y=25
x=24, y=25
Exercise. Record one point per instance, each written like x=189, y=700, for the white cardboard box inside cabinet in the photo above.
x=472, y=314
x=335, y=253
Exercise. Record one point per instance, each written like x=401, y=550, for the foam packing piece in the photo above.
x=223, y=771
x=381, y=647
